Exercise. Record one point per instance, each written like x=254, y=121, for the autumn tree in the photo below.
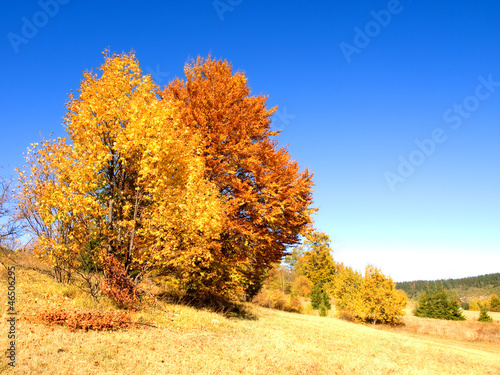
x=294, y=255
x=126, y=183
x=302, y=286
x=495, y=303
x=317, y=262
x=266, y=197
x=372, y=298
x=474, y=305
x=42, y=221
x=348, y=293
x=382, y=302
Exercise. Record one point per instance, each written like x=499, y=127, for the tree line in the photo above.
x=414, y=288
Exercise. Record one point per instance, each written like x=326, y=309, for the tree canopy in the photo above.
x=265, y=195
x=185, y=182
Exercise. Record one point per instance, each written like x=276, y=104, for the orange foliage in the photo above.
x=117, y=284
x=84, y=320
x=266, y=198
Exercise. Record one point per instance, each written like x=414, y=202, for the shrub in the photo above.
x=483, y=316
x=382, y=302
x=438, y=304
x=85, y=320
x=347, y=288
x=346, y=315
x=295, y=305
x=117, y=284
x=302, y=286
x=275, y=299
x=373, y=298
x=474, y=306
x=495, y=303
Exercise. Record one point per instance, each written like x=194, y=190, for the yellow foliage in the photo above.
x=477, y=304
x=347, y=291
x=317, y=262
x=382, y=301
x=126, y=180
x=373, y=298
x=474, y=305
x=302, y=286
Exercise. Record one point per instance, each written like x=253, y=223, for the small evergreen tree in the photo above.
x=316, y=296
x=483, y=315
x=323, y=310
x=438, y=304
x=320, y=297
x=326, y=300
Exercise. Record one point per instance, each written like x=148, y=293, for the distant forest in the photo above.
x=469, y=287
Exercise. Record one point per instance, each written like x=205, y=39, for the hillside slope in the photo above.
x=203, y=342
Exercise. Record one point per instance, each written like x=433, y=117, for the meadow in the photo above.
x=261, y=341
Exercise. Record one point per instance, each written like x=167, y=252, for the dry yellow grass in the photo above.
x=202, y=342
x=470, y=331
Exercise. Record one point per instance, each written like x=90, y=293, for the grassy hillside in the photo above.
x=197, y=341
x=469, y=287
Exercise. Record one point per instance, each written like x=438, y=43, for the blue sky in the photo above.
x=393, y=104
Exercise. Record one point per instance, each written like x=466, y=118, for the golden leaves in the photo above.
x=186, y=180
x=124, y=147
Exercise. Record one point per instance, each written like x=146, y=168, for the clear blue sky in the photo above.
x=357, y=83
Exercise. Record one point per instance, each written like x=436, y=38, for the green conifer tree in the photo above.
x=316, y=296
x=323, y=311
x=319, y=297
x=438, y=304
x=483, y=315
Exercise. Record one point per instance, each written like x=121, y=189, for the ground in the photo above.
x=194, y=341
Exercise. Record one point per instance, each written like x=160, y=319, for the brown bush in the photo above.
x=348, y=316
x=295, y=305
x=275, y=299
x=86, y=320
x=117, y=284
x=302, y=286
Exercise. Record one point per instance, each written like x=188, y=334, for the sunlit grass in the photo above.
x=194, y=341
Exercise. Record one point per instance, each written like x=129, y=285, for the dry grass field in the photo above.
x=265, y=342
